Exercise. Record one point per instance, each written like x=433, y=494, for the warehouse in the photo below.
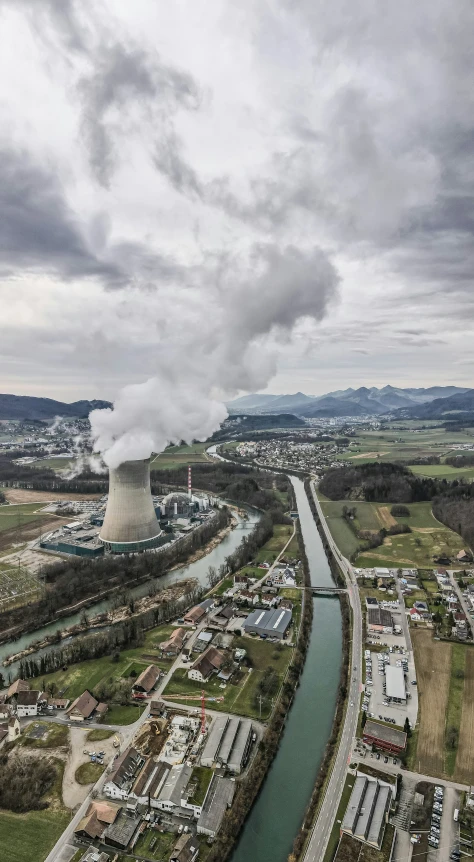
x=379, y=620
x=219, y=797
x=385, y=737
x=271, y=624
x=367, y=811
x=228, y=744
x=395, y=682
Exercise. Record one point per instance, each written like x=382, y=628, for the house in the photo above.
x=30, y=702
x=286, y=605
x=174, y=644
x=99, y=815
x=10, y=731
x=6, y=711
x=464, y=556
x=123, y=831
x=249, y=597
x=124, y=772
x=16, y=687
x=94, y=855
x=207, y=605
x=59, y=702
x=186, y=849
x=157, y=707
x=146, y=682
x=194, y=616
x=421, y=606
x=210, y=662
x=415, y=615
x=241, y=579
x=82, y=707
x=221, y=619
x=371, y=603
x=268, y=600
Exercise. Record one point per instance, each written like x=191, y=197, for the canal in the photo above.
x=278, y=812
x=197, y=570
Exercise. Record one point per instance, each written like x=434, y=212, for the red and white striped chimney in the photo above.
x=190, y=493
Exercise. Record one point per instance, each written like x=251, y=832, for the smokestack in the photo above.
x=190, y=493
x=130, y=522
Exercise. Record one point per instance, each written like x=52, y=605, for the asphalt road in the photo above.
x=322, y=828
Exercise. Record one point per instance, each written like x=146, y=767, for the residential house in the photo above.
x=268, y=600
x=241, y=579
x=186, y=849
x=464, y=556
x=286, y=604
x=82, y=707
x=221, y=619
x=10, y=731
x=146, y=682
x=210, y=662
x=248, y=597
x=414, y=615
x=124, y=772
x=98, y=817
x=174, y=644
x=30, y=702
x=16, y=687
x=203, y=640
x=194, y=616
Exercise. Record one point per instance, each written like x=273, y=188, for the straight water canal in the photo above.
x=278, y=812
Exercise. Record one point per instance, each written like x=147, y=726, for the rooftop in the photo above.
x=385, y=733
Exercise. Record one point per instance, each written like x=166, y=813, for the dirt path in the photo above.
x=464, y=771
x=387, y=520
x=433, y=668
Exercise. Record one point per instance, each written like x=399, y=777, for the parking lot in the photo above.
x=378, y=706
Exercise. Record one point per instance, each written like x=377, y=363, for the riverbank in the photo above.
x=110, y=618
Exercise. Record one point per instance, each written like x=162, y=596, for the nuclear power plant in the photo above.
x=130, y=522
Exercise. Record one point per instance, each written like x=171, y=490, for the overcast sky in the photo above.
x=302, y=169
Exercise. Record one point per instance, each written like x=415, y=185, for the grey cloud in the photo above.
x=124, y=78
x=169, y=161
x=38, y=229
x=63, y=16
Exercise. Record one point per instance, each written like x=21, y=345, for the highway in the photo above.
x=317, y=844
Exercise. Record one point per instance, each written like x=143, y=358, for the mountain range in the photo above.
x=27, y=407
x=410, y=402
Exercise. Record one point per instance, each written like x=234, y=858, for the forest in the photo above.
x=382, y=483
x=23, y=782
x=455, y=508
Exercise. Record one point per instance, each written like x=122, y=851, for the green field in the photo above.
x=88, y=773
x=30, y=837
x=444, y=471
x=239, y=699
x=428, y=538
x=270, y=551
x=180, y=456
x=408, y=445
x=56, y=464
x=16, y=516
x=163, y=844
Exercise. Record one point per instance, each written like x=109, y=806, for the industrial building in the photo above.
x=379, y=620
x=395, y=683
x=271, y=624
x=367, y=810
x=384, y=736
x=228, y=744
x=130, y=522
x=218, y=798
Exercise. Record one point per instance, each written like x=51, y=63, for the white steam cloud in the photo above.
x=210, y=343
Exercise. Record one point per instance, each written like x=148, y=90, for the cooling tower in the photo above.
x=130, y=522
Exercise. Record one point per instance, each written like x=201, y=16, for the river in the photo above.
x=197, y=570
x=277, y=815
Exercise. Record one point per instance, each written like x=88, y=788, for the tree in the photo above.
x=363, y=719
x=407, y=728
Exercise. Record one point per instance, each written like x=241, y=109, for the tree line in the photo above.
x=24, y=782
x=383, y=483
x=78, y=578
x=455, y=508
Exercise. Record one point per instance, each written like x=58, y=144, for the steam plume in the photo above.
x=212, y=346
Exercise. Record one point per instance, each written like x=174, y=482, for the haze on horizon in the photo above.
x=161, y=161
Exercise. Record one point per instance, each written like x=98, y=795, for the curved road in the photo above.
x=317, y=844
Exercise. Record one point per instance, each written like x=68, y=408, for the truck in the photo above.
x=456, y=815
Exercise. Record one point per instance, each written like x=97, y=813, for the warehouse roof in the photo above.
x=219, y=797
x=385, y=733
x=395, y=681
x=366, y=810
x=274, y=620
x=214, y=738
x=379, y=617
x=240, y=743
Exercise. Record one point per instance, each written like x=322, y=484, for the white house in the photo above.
x=28, y=702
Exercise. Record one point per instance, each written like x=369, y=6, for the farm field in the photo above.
x=407, y=445
x=29, y=837
x=433, y=669
x=56, y=464
x=443, y=471
x=270, y=550
x=428, y=537
x=180, y=456
x=241, y=698
x=16, y=516
x=465, y=757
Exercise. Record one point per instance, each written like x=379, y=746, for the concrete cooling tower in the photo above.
x=130, y=522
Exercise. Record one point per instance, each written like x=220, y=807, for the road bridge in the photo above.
x=327, y=591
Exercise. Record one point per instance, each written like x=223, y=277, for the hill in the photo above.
x=348, y=402
x=455, y=406
x=26, y=407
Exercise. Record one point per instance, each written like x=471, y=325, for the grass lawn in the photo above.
x=88, y=773
x=239, y=699
x=334, y=836
x=30, y=837
x=118, y=714
x=180, y=456
x=201, y=778
x=225, y=585
x=269, y=552
x=155, y=845
x=55, y=463
x=98, y=735
x=293, y=552
x=416, y=549
x=56, y=736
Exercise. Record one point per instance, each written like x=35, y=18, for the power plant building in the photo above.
x=130, y=522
